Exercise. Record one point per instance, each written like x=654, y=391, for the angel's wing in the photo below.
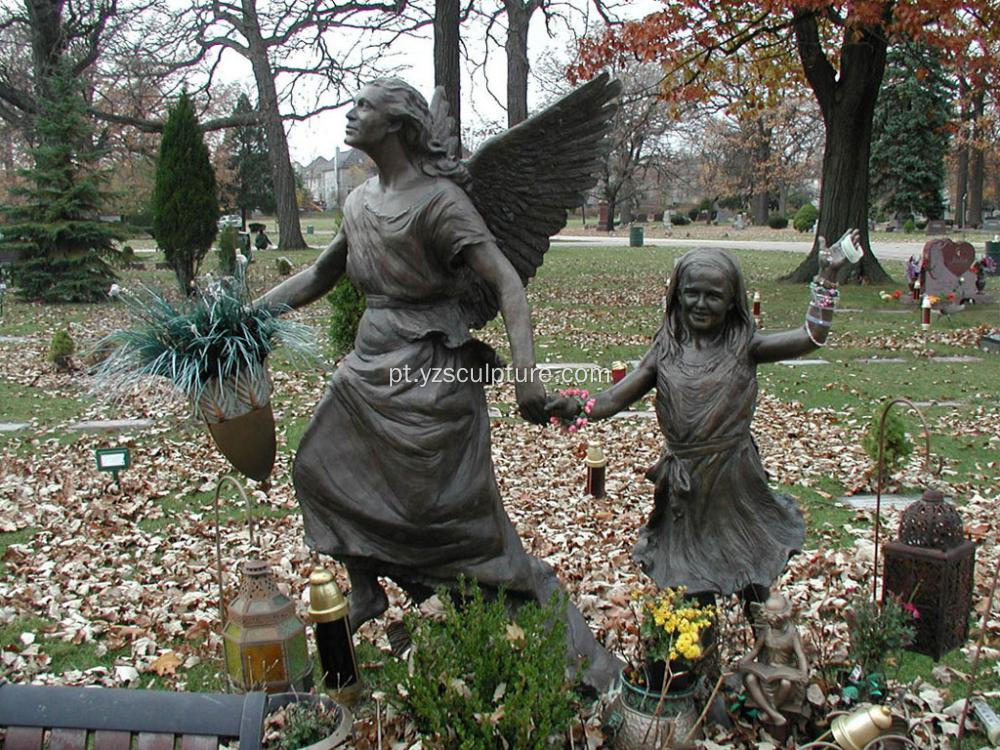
x=525, y=180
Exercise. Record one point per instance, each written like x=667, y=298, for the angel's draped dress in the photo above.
x=398, y=476
x=716, y=525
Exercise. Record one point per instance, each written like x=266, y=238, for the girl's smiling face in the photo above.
x=706, y=297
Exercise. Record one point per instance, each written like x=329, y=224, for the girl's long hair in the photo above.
x=737, y=328
x=404, y=103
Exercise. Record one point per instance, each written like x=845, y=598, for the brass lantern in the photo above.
x=264, y=642
x=931, y=566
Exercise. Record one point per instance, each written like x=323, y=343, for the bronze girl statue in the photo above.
x=716, y=527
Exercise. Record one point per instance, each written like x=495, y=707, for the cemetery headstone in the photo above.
x=946, y=274
x=936, y=226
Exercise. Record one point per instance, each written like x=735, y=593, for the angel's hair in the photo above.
x=403, y=102
x=738, y=327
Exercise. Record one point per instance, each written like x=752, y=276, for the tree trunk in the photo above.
x=759, y=204
x=447, y=73
x=760, y=200
x=974, y=216
x=847, y=101
x=47, y=47
x=962, y=165
x=289, y=230
x=516, y=47
x=610, y=198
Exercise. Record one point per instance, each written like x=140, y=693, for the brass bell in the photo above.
x=855, y=730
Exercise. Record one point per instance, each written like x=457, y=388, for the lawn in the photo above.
x=97, y=584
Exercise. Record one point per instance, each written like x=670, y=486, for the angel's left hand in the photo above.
x=531, y=400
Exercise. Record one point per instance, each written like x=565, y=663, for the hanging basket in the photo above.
x=240, y=419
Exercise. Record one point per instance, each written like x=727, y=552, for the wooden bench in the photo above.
x=70, y=718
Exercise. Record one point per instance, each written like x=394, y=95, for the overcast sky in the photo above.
x=322, y=134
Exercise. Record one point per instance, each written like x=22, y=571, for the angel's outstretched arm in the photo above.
x=489, y=263
x=313, y=282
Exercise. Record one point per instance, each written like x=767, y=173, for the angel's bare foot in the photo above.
x=367, y=599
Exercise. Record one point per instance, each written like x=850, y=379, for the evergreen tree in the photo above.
x=54, y=224
x=253, y=184
x=185, y=206
x=911, y=134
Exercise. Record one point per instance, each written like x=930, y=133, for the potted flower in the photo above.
x=213, y=347
x=657, y=702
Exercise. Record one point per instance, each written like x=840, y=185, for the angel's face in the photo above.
x=368, y=124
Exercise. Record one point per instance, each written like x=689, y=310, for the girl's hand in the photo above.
x=563, y=407
x=831, y=261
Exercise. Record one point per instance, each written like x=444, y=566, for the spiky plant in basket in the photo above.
x=213, y=347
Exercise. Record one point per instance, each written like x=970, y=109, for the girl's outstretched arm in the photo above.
x=611, y=401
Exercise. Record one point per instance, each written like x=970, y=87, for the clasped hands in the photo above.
x=536, y=406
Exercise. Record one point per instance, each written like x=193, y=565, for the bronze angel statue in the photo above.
x=394, y=474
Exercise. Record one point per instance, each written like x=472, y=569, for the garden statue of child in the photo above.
x=776, y=670
x=394, y=473
x=716, y=526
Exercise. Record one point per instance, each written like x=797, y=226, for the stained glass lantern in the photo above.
x=264, y=642
x=931, y=566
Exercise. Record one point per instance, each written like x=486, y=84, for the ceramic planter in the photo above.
x=646, y=720
x=338, y=735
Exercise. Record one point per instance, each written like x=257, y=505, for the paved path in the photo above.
x=883, y=250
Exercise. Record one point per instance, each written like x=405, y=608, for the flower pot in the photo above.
x=651, y=720
x=248, y=442
x=338, y=734
x=240, y=419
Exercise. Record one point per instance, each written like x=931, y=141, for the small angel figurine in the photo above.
x=394, y=474
x=775, y=671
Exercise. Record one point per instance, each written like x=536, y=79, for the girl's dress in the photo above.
x=716, y=526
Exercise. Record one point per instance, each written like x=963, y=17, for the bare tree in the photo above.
x=300, y=52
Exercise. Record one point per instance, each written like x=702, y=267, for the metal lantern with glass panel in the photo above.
x=931, y=566
x=264, y=641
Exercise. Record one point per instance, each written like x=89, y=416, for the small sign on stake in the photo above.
x=113, y=460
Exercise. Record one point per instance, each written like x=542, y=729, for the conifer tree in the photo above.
x=185, y=205
x=252, y=185
x=53, y=223
x=911, y=129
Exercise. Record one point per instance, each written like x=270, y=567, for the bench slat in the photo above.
x=151, y=741
x=199, y=742
x=68, y=739
x=104, y=740
x=23, y=738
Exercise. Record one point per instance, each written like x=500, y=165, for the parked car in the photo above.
x=230, y=220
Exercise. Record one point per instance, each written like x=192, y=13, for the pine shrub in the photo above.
x=679, y=220
x=897, y=444
x=61, y=348
x=347, y=306
x=805, y=217
x=480, y=679
x=185, y=206
x=777, y=221
x=65, y=252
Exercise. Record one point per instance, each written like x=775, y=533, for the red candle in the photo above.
x=618, y=370
x=925, y=322
x=756, y=304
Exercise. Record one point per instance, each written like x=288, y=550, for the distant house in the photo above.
x=330, y=180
